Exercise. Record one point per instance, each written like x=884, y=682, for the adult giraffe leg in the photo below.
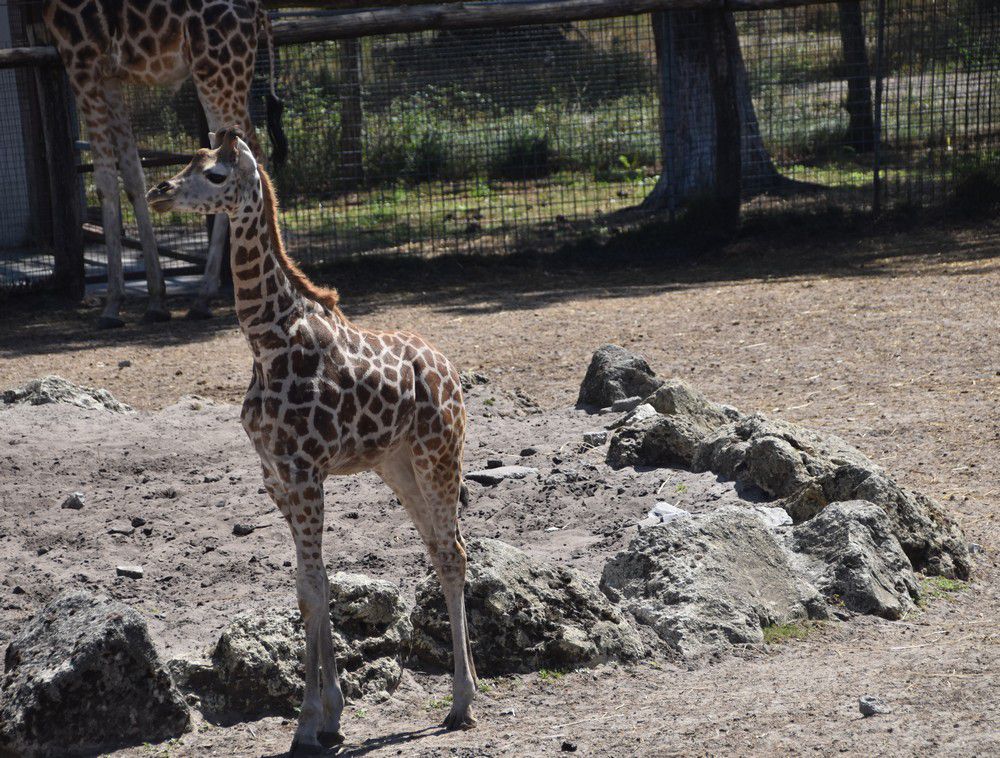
x=226, y=103
x=430, y=495
x=96, y=115
x=299, y=497
x=135, y=188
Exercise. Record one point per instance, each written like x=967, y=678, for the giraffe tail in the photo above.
x=274, y=105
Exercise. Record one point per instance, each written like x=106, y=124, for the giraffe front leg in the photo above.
x=300, y=499
x=135, y=188
x=106, y=180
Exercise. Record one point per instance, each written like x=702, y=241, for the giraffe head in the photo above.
x=215, y=181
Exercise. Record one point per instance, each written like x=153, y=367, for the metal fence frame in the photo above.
x=67, y=236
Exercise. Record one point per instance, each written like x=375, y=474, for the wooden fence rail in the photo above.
x=413, y=18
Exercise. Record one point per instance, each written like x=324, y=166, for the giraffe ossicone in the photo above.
x=156, y=42
x=330, y=398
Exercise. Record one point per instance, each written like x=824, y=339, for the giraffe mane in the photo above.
x=323, y=295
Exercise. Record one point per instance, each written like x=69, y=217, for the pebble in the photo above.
x=494, y=463
x=595, y=439
x=568, y=747
x=626, y=404
x=132, y=572
x=73, y=501
x=242, y=530
x=122, y=527
x=527, y=452
x=663, y=513
x=124, y=364
x=872, y=705
x=138, y=521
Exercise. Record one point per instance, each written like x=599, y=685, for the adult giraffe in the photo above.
x=105, y=43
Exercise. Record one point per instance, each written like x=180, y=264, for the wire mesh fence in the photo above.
x=495, y=140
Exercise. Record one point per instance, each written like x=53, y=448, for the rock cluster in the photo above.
x=523, y=615
x=55, y=389
x=83, y=675
x=803, y=471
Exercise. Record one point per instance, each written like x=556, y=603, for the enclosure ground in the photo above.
x=889, y=341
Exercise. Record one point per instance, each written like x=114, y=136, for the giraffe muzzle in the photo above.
x=160, y=198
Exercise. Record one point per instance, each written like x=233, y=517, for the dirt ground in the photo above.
x=890, y=341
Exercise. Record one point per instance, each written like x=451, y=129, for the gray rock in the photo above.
x=73, y=501
x=616, y=374
x=256, y=667
x=523, y=615
x=626, y=405
x=83, y=676
x=243, y=530
x=706, y=582
x=494, y=476
x=55, y=389
x=850, y=555
x=132, y=572
x=872, y=705
x=595, y=439
x=636, y=415
x=470, y=379
x=773, y=517
x=803, y=470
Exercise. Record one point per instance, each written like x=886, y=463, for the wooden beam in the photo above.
x=43, y=55
x=454, y=15
x=464, y=15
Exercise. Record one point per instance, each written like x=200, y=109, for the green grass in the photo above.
x=550, y=675
x=440, y=703
x=937, y=587
x=777, y=634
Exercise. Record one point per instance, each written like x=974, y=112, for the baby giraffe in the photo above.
x=328, y=397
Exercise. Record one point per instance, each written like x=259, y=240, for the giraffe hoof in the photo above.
x=109, y=322
x=298, y=749
x=459, y=719
x=156, y=316
x=199, y=313
x=329, y=739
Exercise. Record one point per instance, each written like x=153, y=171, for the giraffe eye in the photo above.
x=215, y=178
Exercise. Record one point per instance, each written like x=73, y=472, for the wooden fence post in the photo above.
x=728, y=142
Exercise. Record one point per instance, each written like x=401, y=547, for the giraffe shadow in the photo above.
x=373, y=744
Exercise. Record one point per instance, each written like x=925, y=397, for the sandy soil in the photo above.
x=890, y=342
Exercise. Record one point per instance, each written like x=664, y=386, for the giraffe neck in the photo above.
x=266, y=300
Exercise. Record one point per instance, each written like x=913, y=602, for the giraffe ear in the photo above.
x=229, y=146
x=212, y=141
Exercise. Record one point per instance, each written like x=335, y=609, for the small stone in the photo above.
x=494, y=476
x=872, y=705
x=42, y=550
x=663, y=513
x=73, y=501
x=626, y=404
x=568, y=747
x=18, y=590
x=527, y=452
x=637, y=415
x=242, y=530
x=975, y=548
x=124, y=364
x=121, y=527
x=138, y=521
x=132, y=572
x=595, y=439
x=494, y=463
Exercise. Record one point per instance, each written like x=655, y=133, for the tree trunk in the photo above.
x=861, y=128
x=352, y=170
x=686, y=44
